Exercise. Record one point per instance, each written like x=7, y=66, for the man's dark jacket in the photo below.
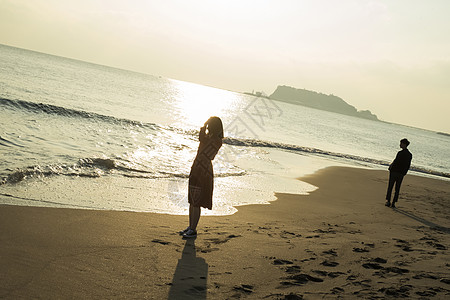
x=402, y=162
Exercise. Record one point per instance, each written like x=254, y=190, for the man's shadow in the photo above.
x=191, y=275
x=423, y=221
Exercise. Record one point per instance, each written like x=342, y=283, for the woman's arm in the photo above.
x=202, y=134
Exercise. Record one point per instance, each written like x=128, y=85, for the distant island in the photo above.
x=316, y=100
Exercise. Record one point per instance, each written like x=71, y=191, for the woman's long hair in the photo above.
x=215, y=127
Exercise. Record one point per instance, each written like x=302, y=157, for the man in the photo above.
x=397, y=170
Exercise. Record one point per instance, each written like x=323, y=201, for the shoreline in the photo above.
x=337, y=241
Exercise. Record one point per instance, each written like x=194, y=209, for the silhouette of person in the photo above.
x=397, y=170
x=201, y=177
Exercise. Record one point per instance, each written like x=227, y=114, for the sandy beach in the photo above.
x=338, y=242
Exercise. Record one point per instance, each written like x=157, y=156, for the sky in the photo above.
x=391, y=57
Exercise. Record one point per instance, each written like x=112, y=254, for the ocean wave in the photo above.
x=68, y=112
x=86, y=167
x=38, y=171
x=94, y=168
x=309, y=150
x=73, y=113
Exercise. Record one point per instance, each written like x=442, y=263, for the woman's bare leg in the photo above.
x=194, y=216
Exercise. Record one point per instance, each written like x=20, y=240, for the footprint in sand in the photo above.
x=293, y=269
x=223, y=240
x=288, y=234
x=215, y=241
x=425, y=275
x=364, y=283
x=379, y=260
x=395, y=270
x=207, y=249
x=436, y=245
x=404, y=245
x=427, y=293
x=337, y=290
x=330, y=252
x=244, y=288
x=282, y=262
x=402, y=291
x=312, y=236
x=371, y=245
x=308, y=259
x=335, y=274
x=328, y=263
x=300, y=279
x=320, y=272
x=158, y=241
x=351, y=277
x=292, y=296
x=360, y=250
x=329, y=230
x=373, y=266
x=329, y=274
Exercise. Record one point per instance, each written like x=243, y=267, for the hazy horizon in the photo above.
x=390, y=58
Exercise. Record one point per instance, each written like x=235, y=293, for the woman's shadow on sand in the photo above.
x=191, y=275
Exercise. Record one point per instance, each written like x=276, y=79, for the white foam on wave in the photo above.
x=268, y=172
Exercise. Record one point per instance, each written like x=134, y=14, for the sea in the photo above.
x=80, y=135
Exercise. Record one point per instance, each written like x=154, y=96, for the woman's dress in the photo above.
x=201, y=178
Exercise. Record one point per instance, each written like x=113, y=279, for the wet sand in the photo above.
x=338, y=242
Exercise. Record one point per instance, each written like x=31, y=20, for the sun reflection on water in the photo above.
x=196, y=103
x=161, y=153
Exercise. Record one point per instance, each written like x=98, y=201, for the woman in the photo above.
x=201, y=178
